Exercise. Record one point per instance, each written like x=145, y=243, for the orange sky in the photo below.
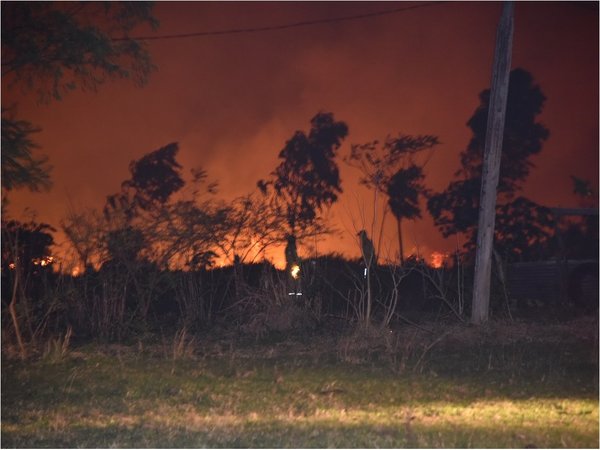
x=232, y=101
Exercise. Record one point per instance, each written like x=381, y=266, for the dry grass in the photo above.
x=299, y=394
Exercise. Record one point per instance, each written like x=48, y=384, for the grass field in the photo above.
x=509, y=386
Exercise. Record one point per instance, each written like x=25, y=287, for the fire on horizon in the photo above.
x=232, y=101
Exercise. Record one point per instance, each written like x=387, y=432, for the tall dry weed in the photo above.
x=57, y=348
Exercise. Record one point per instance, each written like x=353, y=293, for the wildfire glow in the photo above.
x=45, y=261
x=295, y=271
x=437, y=259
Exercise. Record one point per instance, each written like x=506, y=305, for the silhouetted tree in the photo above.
x=20, y=167
x=183, y=229
x=55, y=47
x=523, y=136
x=456, y=209
x=307, y=180
x=154, y=178
x=403, y=190
x=367, y=250
x=124, y=245
x=525, y=229
x=390, y=168
x=33, y=245
x=84, y=231
x=582, y=188
x=148, y=227
x=577, y=236
x=25, y=254
x=191, y=231
x=140, y=223
x=253, y=224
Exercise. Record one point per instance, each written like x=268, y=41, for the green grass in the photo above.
x=478, y=393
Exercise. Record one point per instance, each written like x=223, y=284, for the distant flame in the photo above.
x=45, y=261
x=295, y=271
x=437, y=259
x=12, y=266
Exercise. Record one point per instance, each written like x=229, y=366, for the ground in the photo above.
x=506, y=385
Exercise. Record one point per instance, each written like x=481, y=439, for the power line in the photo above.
x=282, y=26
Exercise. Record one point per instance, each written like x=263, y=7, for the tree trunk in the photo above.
x=491, y=166
x=383, y=217
x=369, y=300
x=400, y=244
x=13, y=314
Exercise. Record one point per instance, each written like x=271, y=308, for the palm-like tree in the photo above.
x=403, y=191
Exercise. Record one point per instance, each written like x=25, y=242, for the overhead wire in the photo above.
x=303, y=23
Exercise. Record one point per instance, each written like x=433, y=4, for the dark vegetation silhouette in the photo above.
x=21, y=168
x=305, y=183
x=166, y=255
x=168, y=268
x=522, y=226
x=26, y=274
x=307, y=180
x=579, y=238
x=404, y=191
x=53, y=48
x=390, y=168
x=367, y=250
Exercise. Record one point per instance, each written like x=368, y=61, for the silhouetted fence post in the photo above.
x=491, y=165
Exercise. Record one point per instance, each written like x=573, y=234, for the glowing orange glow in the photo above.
x=222, y=261
x=12, y=266
x=82, y=168
x=75, y=272
x=45, y=261
x=437, y=259
x=295, y=271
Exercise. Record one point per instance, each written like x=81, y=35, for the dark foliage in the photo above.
x=523, y=136
x=108, y=304
x=154, y=178
x=390, y=168
x=20, y=167
x=26, y=245
x=26, y=256
x=523, y=230
x=582, y=188
x=308, y=179
x=577, y=239
x=125, y=244
x=456, y=209
x=403, y=191
x=55, y=47
x=520, y=223
x=378, y=162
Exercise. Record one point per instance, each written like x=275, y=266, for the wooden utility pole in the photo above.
x=491, y=166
